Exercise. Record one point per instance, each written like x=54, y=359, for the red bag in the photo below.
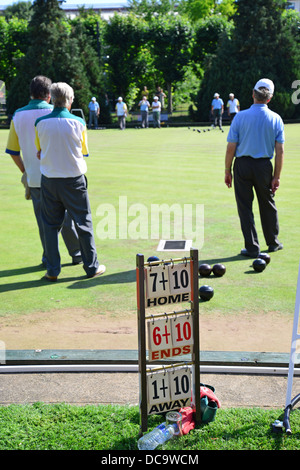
x=188, y=421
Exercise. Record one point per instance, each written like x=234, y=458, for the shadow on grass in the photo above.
x=80, y=282
x=123, y=277
x=21, y=271
x=213, y=261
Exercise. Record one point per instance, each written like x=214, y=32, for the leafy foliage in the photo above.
x=225, y=47
x=257, y=47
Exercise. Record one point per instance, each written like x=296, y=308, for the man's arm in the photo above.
x=19, y=162
x=279, y=156
x=230, y=153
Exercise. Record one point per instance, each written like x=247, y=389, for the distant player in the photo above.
x=233, y=106
x=217, y=109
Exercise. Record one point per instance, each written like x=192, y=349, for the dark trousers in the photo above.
x=255, y=174
x=217, y=118
x=93, y=120
x=57, y=196
x=68, y=231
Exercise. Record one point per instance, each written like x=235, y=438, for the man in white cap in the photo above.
x=94, y=110
x=254, y=135
x=121, y=110
x=217, y=109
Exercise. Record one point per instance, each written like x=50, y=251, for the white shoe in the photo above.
x=101, y=269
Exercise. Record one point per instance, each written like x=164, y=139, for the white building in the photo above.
x=294, y=5
x=105, y=9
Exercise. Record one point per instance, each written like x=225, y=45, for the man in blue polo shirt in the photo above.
x=253, y=137
x=94, y=112
x=217, y=109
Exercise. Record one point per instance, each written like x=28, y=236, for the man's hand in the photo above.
x=275, y=184
x=228, y=178
x=230, y=153
x=25, y=184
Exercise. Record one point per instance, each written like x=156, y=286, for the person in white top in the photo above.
x=156, y=109
x=233, y=106
x=61, y=141
x=121, y=110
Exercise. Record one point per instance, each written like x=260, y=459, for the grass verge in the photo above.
x=116, y=428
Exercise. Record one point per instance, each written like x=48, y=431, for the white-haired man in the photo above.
x=156, y=110
x=253, y=137
x=121, y=110
x=233, y=106
x=61, y=140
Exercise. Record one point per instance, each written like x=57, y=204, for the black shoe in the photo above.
x=250, y=254
x=76, y=261
x=273, y=248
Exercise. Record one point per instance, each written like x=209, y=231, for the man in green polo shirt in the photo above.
x=21, y=140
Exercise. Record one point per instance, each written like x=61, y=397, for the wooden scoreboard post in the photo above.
x=170, y=335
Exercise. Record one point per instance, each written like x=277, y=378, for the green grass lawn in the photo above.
x=171, y=166
x=147, y=167
x=116, y=428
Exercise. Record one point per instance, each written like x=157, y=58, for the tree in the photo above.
x=148, y=9
x=21, y=10
x=88, y=30
x=207, y=34
x=171, y=47
x=13, y=45
x=201, y=9
x=51, y=52
x=260, y=44
x=128, y=59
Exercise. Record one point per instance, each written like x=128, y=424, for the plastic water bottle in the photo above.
x=157, y=437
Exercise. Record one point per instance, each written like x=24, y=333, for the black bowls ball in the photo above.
x=265, y=257
x=219, y=269
x=205, y=270
x=206, y=292
x=259, y=265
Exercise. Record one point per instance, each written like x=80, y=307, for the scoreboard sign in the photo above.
x=170, y=337
x=163, y=336
x=169, y=390
x=167, y=284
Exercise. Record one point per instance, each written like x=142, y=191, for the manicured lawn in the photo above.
x=116, y=428
x=143, y=168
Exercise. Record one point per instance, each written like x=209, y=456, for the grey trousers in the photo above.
x=156, y=119
x=67, y=194
x=255, y=174
x=68, y=230
x=122, y=122
x=144, y=115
